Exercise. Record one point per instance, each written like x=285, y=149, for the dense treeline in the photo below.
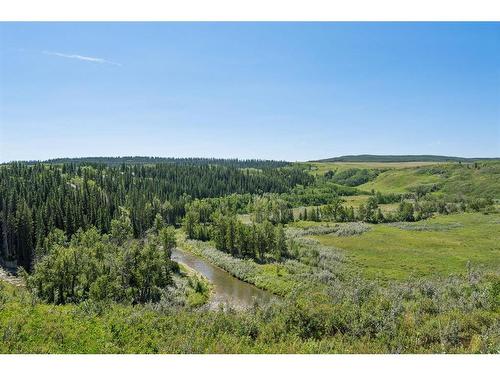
x=36, y=199
x=118, y=161
x=407, y=210
x=258, y=241
x=261, y=240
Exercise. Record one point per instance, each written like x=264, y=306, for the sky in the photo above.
x=287, y=91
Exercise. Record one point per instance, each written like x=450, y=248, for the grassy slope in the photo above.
x=459, y=180
x=398, y=181
x=320, y=168
x=389, y=252
x=483, y=182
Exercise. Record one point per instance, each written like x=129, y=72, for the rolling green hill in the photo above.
x=482, y=180
x=400, y=180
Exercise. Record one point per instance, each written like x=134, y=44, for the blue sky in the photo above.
x=293, y=91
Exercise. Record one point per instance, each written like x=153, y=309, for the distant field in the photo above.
x=320, y=168
x=445, y=247
x=356, y=200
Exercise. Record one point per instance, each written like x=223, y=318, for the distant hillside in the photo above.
x=400, y=158
x=138, y=160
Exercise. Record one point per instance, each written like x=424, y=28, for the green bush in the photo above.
x=93, y=266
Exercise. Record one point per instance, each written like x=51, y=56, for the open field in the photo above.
x=445, y=246
x=355, y=200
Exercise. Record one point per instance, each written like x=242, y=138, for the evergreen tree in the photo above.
x=281, y=249
x=24, y=236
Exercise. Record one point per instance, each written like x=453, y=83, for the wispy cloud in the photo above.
x=82, y=58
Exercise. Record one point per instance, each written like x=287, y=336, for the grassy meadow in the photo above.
x=435, y=247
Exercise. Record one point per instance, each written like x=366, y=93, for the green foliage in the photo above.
x=369, y=212
x=353, y=176
x=387, y=198
x=55, y=237
x=121, y=229
x=405, y=211
x=258, y=241
x=145, y=160
x=189, y=223
x=346, y=315
x=321, y=192
x=334, y=210
x=271, y=208
x=168, y=240
x=92, y=266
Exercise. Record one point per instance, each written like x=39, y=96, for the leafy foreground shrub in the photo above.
x=454, y=315
x=450, y=315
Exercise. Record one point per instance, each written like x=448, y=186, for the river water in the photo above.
x=227, y=288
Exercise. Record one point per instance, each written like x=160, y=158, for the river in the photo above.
x=227, y=288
